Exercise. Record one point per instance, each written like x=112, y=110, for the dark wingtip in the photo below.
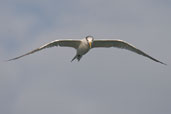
x=7, y=60
x=161, y=62
x=10, y=60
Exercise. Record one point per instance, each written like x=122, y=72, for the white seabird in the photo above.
x=84, y=45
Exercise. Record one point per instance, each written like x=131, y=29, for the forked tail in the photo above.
x=78, y=57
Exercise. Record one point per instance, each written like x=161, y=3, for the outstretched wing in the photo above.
x=62, y=43
x=123, y=45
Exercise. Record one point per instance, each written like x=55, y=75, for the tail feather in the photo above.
x=74, y=58
x=78, y=57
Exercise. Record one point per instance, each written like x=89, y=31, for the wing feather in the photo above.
x=123, y=45
x=62, y=43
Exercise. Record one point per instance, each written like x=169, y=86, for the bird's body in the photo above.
x=84, y=45
x=83, y=48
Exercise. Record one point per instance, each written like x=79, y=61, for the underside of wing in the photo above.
x=123, y=45
x=69, y=43
x=62, y=43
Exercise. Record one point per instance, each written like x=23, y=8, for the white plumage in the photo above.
x=84, y=45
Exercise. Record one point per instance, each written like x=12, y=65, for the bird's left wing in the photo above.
x=62, y=43
x=123, y=45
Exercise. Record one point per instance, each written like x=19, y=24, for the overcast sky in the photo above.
x=105, y=81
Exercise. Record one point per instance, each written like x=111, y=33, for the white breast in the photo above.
x=83, y=48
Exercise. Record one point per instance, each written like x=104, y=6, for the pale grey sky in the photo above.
x=105, y=80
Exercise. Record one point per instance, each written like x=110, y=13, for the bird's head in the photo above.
x=90, y=40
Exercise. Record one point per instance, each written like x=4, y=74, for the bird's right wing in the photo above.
x=123, y=45
x=62, y=43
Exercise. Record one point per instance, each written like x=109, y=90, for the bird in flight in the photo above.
x=84, y=45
